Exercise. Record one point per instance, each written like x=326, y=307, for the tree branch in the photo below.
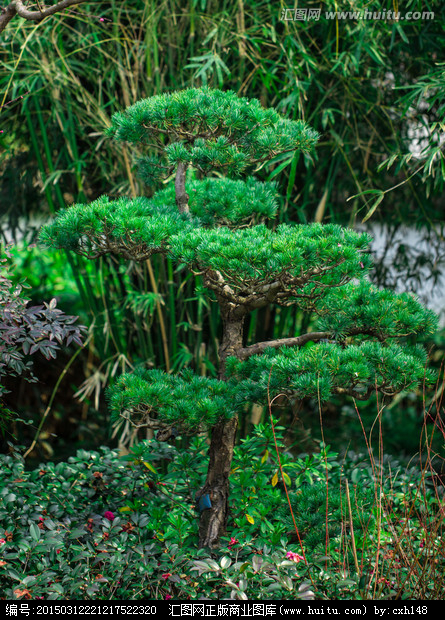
x=354, y=393
x=16, y=7
x=297, y=341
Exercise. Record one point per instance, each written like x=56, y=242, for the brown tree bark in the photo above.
x=182, y=198
x=213, y=520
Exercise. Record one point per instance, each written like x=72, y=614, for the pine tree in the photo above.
x=223, y=228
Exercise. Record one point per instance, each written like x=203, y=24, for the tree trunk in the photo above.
x=182, y=198
x=213, y=519
x=214, y=495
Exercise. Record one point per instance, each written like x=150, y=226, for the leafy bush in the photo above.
x=101, y=526
x=81, y=529
x=26, y=330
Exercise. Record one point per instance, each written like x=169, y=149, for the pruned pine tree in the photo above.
x=223, y=229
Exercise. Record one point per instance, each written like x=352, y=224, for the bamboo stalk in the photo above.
x=160, y=316
x=351, y=527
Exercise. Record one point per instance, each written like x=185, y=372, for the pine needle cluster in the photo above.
x=186, y=402
x=210, y=130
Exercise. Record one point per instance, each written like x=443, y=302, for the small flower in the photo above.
x=362, y=265
x=294, y=556
x=166, y=575
x=167, y=597
x=101, y=19
x=109, y=515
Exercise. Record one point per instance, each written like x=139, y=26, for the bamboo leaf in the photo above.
x=374, y=207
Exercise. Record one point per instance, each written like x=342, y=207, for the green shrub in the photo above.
x=104, y=526
x=85, y=528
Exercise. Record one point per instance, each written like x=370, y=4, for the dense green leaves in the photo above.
x=362, y=308
x=155, y=399
x=296, y=259
x=187, y=402
x=103, y=527
x=229, y=237
x=220, y=201
x=135, y=228
x=326, y=368
x=210, y=130
x=142, y=226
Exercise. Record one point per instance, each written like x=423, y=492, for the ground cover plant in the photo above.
x=100, y=526
x=222, y=229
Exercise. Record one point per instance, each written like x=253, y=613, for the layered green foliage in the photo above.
x=324, y=369
x=152, y=223
x=132, y=226
x=187, y=402
x=140, y=227
x=369, y=310
x=209, y=129
x=228, y=235
x=259, y=255
x=227, y=202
